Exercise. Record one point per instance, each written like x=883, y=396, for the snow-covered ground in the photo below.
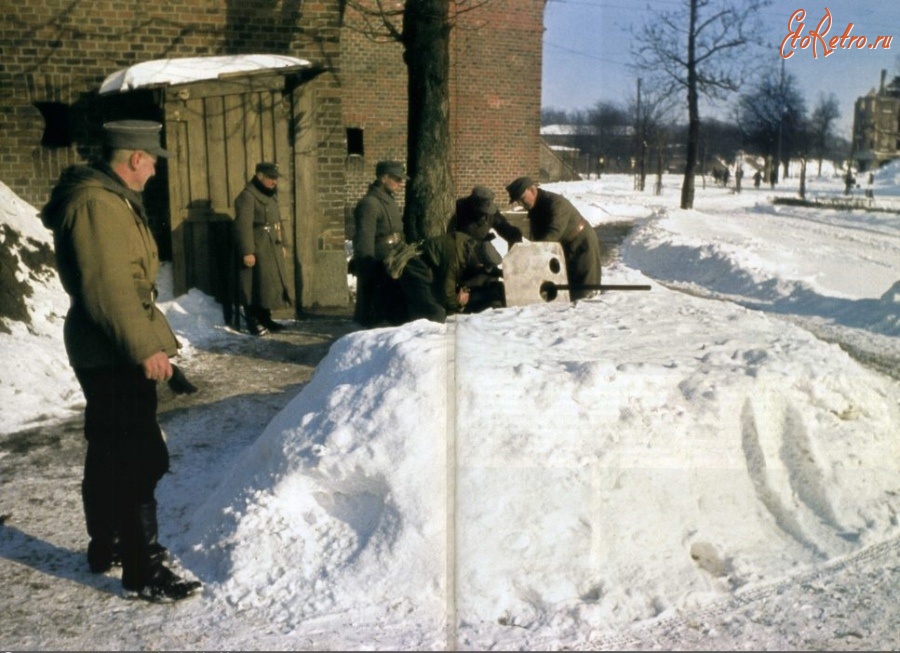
x=555, y=475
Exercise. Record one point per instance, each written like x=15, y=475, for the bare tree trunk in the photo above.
x=803, y=178
x=660, y=147
x=693, y=145
x=430, y=192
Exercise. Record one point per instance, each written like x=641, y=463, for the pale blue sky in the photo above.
x=587, y=49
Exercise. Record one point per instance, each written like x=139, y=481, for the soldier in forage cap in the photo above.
x=119, y=344
x=553, y=218
x=378, y=232
x=263, y=285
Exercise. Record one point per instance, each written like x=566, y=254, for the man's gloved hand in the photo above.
x=179, y=382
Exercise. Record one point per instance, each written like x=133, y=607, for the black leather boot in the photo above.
x=254, y=325
x=265, y=318
x=144, y=574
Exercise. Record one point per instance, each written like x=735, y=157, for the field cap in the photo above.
x=392, y=168
x=517, y=188
x=268, y=169
x=482, y=200
x=134, y=135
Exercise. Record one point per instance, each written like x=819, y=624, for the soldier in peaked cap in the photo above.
x=119, y=344
x=392, y=168
x=140, y=135
x=263, y=285
x=378, y=231
x=553, y=218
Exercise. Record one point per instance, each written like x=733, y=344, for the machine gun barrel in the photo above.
x=550, y=290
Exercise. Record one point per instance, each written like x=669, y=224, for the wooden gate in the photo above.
x=217, y=131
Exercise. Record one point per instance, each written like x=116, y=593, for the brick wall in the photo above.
x=496, y=86
x=373, y=79
x=57, y=53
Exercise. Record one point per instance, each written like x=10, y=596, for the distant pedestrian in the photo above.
x=757, y=179
x=849, y=182
x=263, y=285
x=119, y=344
x=553, y=218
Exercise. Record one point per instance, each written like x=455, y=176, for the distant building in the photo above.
x=876, y=125
x=587, y=149
x=559, y=162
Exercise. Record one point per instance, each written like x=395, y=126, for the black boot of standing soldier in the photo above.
x=254, y=326
x=144, y=574
x=265, y=319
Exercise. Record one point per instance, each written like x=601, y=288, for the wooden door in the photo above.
x=217, y=132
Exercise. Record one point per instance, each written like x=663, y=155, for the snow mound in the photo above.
x=321, y=507
x=33, y=305
x=621, y=487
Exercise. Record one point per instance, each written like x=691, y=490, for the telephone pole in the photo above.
x=780, y=120
x=639, y=143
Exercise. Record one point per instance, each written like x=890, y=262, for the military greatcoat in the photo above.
x=378, y=231
x=257, y=222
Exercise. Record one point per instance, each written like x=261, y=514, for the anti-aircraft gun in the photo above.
x=535, y=272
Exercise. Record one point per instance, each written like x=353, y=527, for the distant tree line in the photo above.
x=696, y=50
x=769, y=121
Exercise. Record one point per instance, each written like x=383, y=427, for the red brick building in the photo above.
x=350, y=113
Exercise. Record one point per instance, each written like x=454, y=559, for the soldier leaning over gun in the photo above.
x=553, y=218
x=477, y=214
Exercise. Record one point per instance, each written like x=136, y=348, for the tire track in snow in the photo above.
x=765, y=491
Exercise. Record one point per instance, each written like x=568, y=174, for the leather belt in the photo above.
x=569, y=237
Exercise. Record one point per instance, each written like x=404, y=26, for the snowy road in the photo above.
x=834, y=272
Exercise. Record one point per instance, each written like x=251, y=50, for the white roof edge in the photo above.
x=163, y=72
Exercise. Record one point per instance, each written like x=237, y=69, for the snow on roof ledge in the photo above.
x=191, y=69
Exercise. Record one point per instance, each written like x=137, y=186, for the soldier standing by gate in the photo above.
x=263, y=278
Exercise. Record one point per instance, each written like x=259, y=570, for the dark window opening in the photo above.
x=355, y=141
x=57, y=124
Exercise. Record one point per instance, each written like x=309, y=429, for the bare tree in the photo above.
x=821, y=123
x=423, y=28
x=552, y=116
x=652, y=111
x=606, y=134
x=772, y=117
x=694, y=49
